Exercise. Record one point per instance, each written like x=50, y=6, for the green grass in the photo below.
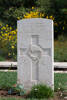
x=60, y=81
x=8, y=79
x=60, y=51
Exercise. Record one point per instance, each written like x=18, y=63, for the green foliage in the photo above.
x=60, y=17
x=61, y=38
x=13, y=13
x=2, y=58
x=10, y=10
x=3, y=53
x=8, y=40
x=58, y=9
x=40, y=91
x=29, y=3
x=45, y=5
x=19, y=89
x=7, y=4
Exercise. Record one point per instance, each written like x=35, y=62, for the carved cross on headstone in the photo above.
x=35, y=52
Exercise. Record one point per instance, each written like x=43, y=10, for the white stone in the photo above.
x=35, y=52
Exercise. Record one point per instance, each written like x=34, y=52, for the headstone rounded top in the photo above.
x=33, y=20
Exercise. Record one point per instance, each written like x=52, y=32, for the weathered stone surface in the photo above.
x=35, y=52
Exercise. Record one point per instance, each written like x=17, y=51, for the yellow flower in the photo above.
x=47, y=17
x=12, y=47
x=5, y=39
x=42, y=15
x=6, y=31
x=6, y=34
x=51, y=17
x=9, y=37
x=32, y=7
x=18, y=18
x=1, y=32
x=10, y=28
x=33, y=14
x=7, y=25
x=4, y=28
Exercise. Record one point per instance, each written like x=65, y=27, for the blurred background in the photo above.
x=13, y=10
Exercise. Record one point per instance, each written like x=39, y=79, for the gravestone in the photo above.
x=35, y=52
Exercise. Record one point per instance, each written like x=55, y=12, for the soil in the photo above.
x=4, y=93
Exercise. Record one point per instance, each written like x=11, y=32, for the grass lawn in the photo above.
x=7, y=79
x=60, y=81
x=60, y=51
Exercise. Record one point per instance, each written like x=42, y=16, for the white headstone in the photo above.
x=35, y=52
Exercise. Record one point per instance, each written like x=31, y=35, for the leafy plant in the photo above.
x=16, y=89
x=40, y=91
